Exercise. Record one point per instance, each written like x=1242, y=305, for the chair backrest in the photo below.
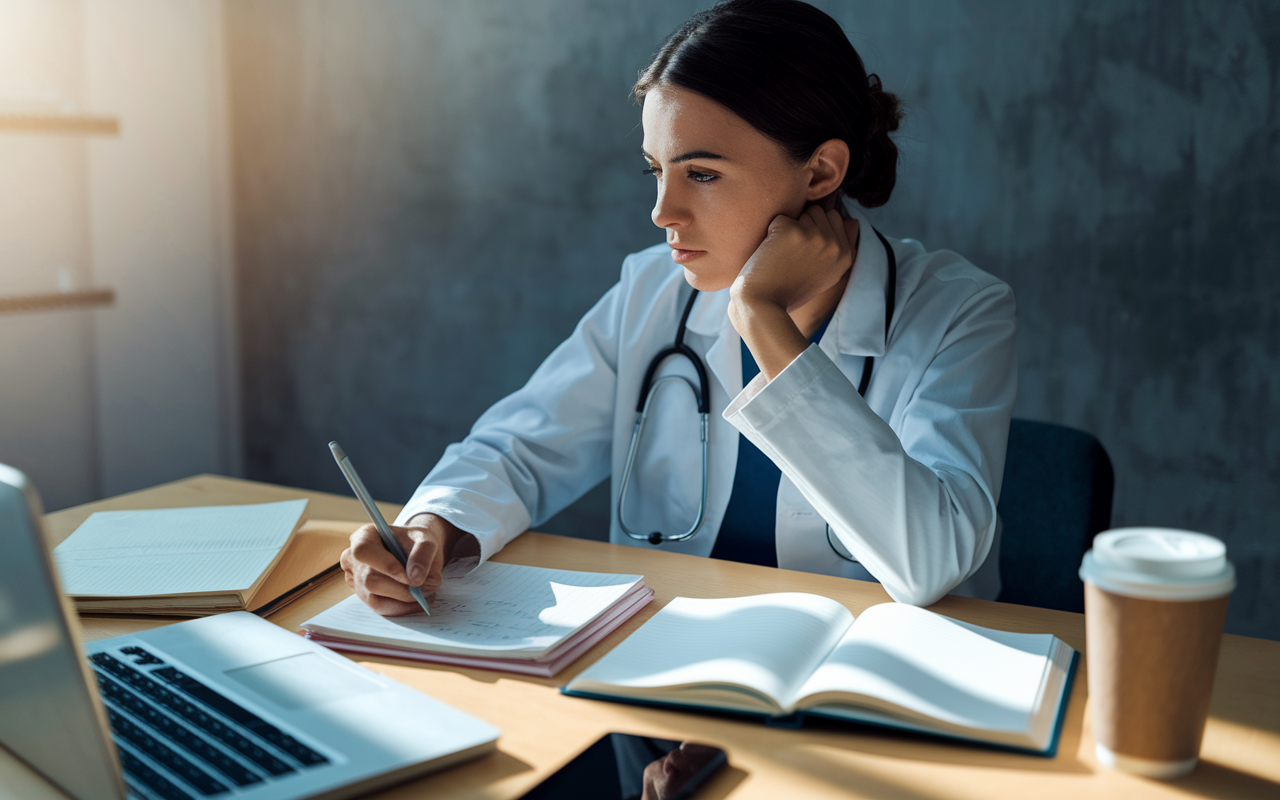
x=1055, y=498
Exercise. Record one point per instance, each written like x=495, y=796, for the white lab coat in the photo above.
x=907, y=479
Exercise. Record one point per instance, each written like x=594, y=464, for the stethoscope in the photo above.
x=702, y=394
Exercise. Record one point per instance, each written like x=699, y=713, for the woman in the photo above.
x=871, y=443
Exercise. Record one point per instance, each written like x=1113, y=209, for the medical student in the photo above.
x=858, y=387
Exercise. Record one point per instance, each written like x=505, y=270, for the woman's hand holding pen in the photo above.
x=799, y=261
x=377, y=576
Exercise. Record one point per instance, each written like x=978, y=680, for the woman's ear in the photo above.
x=827, y=167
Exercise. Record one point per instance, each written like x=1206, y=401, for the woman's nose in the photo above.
x=668, y=210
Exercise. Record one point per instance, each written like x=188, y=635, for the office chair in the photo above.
x=1056, y=496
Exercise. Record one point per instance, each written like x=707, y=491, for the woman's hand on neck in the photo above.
x=791, y=284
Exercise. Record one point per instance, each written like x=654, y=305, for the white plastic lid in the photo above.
x=1159, y=564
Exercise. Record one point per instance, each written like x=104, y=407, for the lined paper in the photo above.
x=501, y=610
x=170, y=551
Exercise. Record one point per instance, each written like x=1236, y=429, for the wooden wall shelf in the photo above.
x=75, y=125
x=98, y=297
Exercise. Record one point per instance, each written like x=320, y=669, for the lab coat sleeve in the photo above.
x=917, y=506
x=537, y=450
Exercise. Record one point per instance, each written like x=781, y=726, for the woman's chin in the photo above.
x=709, y=281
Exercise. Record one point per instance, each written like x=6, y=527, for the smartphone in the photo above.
x=629, y=767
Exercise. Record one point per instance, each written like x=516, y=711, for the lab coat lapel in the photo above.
x=857, y=328
x=710, y=317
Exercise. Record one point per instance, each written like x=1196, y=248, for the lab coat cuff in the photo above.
x=485, y=533
x=761, y=401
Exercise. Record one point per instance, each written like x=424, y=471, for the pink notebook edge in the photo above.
x=552, y=663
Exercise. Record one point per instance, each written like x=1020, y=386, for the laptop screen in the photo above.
x=49, y=714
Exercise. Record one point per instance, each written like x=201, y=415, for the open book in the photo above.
x=499, y=616
x=796, y=655
x=180, y=561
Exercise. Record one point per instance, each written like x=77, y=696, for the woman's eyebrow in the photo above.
x=689, y=156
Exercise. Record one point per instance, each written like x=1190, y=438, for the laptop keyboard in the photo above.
x=179, y=739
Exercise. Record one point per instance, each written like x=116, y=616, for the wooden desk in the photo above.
x=542, y=729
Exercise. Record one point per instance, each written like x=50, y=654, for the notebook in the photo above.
x=506, y=617
x=183, y=561
x=309, y=559
x=791, y=656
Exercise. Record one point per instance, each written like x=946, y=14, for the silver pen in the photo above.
x=371, y=508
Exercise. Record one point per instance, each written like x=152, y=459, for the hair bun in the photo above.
x=873, y=184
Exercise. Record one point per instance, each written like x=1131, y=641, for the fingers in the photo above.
x=426, y=559
x=367, y=548
x=828, y=225
x=821, y=220
x=378, y=577
x=367, y=581
x=783, y=224
x=841, y=232
x=851, y=229
x=825, y=222
x=384, y=595
x=798, y=259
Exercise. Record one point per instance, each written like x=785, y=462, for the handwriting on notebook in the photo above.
x=503, y=608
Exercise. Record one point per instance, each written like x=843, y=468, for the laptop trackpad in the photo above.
x=304, y=680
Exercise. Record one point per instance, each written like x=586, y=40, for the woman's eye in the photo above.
x=650, y=171
x=701, y=177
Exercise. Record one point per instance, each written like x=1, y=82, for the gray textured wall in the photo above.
x=429, y=194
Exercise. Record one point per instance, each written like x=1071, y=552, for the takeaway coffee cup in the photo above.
x=1155, y=602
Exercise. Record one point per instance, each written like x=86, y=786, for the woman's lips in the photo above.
x=682, y=256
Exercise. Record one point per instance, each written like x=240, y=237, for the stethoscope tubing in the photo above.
x=655, y=537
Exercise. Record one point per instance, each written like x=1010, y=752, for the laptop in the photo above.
x=228, y=706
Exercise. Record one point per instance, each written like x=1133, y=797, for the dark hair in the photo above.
x=788, y=70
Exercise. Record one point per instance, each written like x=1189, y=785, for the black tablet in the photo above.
x=629, y=767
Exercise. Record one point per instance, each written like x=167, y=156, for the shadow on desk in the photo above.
x=724, y=784
x=1221, y=782
x=493, y=768
x=908, y=746
x=835, y=764
x=833, y=735
x=491, y=676
x=822, y=764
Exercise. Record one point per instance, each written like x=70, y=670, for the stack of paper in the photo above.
x=176, y=561
x=507, y=617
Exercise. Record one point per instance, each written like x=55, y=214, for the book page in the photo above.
x=767, y=643
x=498, y=610
x=169, y=551
x=932, y=666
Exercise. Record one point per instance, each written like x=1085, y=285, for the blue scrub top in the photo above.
x=747, y=532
